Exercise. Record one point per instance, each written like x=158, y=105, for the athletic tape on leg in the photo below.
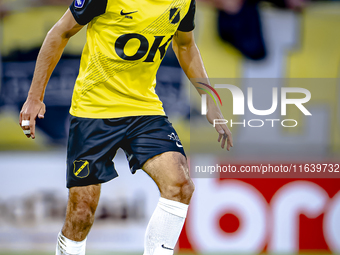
x=173, y=207
x=164, y=227
x=66, y=246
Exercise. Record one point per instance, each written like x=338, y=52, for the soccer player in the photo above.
x=114, y=105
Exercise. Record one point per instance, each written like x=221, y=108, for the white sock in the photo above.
x=164, y=227
x=66, y=246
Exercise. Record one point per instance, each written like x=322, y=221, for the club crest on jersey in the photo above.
x=81, y=168
x=174, y=15
x=79, y=3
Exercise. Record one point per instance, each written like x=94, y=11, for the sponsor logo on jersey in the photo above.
x=174, y=137
x=79, y=3
x=174, y=15
x=144, y=47
x=126, y=13
x=81, y=168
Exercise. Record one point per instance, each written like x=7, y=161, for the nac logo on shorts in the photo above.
x=81, y=168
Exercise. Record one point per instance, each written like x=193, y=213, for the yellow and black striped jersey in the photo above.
x=126, y=42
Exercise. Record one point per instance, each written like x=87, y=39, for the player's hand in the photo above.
x=224, y=133
x=31, y=109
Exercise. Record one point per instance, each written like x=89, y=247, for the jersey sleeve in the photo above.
x=84, y=11
x=188, y=22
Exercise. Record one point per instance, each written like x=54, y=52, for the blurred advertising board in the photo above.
x=258, y=215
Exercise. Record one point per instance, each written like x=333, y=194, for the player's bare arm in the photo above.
x=191, y=62
x=49, y=55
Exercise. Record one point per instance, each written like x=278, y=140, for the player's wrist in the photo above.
x=211, y=104
x=34, y=96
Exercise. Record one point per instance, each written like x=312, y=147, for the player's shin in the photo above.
x=66, y=246
x=164, y=227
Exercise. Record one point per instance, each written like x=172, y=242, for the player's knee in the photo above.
x=84, y=214
x=179, y=189
x=82, y=204
x=187, y=190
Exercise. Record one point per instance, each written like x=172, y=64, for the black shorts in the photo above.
x=93, y=143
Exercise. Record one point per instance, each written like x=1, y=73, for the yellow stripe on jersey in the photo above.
x=124, y=48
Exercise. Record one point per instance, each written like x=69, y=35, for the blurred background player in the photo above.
x=239, y=23
x=114, y=105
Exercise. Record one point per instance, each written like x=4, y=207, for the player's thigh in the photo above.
x=170, y=172
x=149, y=137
